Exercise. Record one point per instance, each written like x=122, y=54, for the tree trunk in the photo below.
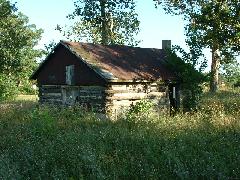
x=104, y=40
x=214, y=69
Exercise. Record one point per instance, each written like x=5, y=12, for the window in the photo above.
x=70, y=75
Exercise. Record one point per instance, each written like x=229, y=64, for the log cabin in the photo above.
x=107, y=78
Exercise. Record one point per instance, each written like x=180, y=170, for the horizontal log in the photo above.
x=122, y=91
x=50, y=86
x=89, y=97
x=51, y=100
x=92, y=90
x=156, y=94
x=84, y=87
x=135, y=96
x=51, y=94
x=97, y=88
x=128, y=87
x=131, y=95
x=90, y=93
x=123, y=98
x=91, y=101
x=135, y=88
x=50, y=97
x=50, y=90
x=109, y=92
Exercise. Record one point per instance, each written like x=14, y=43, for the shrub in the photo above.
x=141, y=108
x=8, y=88
x=27, y=88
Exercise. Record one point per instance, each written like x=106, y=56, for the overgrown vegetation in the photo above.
x=48, y=142
x=17, y=53
x=189, y=70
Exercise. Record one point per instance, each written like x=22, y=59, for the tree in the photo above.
x=210, y=24
x=231, y=72
x=17, y=42
x=103, y=21
x=49, y=47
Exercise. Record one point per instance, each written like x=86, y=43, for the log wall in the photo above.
x=89, y=97
x=50, y=94
x=113, y=99
x=120, y=96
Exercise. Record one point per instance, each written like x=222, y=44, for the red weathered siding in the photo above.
x=53, y=72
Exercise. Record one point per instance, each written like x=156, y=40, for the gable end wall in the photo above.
x=53, y=71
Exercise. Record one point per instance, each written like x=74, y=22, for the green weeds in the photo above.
x=46, y=142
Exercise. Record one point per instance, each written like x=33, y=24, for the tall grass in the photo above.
x=40, y=142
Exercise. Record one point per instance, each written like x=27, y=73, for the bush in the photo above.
x=8, y=88
x=140, y=109
x=27, y=88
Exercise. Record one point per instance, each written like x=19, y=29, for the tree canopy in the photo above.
x=103, y=21
x=17, y=41
x=210, y=24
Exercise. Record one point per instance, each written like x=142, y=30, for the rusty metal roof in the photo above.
x=121, y=63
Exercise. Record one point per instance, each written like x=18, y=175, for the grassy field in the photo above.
x=27, y=98
x=38, y=142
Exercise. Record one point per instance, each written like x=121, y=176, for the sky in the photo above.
x=155, y=25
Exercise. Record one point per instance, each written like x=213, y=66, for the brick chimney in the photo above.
x=166, y=44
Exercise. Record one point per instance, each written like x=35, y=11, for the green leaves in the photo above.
x=103, y=21
x=8, y=87
x=140, y=109
x=210, y=24
x=17, y=42
x=191, y=78
x=231, y=72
